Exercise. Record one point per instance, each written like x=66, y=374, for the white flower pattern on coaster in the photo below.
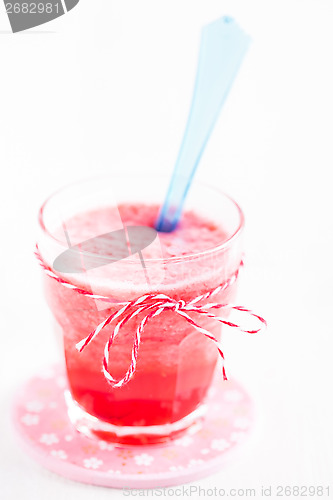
x=175, y=468
x=111, y=471
x=236, y=437
x=34, y=406
x=205, y=451
x=69, y=437
x=49, y=439
x=30, y=419
x=92, y=463
x=59, y=454
x=143, y=459
x=104, y=445
x=220, y=444
x=195, y=461
x=184, y=441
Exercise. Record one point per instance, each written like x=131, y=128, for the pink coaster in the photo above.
x=40, y=416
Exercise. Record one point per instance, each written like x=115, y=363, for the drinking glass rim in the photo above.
x=204, y=253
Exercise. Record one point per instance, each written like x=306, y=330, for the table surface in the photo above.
x=108, y=87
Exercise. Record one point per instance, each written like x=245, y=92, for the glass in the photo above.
x=176, y=363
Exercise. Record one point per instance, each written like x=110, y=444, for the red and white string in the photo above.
x=152, y=305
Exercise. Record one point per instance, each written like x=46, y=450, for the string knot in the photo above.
x=149, y=306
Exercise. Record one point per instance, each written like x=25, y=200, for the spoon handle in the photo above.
x=223, y=46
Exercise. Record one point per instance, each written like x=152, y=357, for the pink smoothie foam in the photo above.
x=175, y=363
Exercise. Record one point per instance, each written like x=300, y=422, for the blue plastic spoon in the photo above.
x=223, y=46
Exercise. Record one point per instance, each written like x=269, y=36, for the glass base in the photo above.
x=92, y=427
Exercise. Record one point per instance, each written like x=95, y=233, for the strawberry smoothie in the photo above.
x=175, y=362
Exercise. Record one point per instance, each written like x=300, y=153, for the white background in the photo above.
x=108, y=86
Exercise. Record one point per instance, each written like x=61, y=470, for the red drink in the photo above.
x=175, y=362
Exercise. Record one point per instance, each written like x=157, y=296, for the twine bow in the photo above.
x=153, y=305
